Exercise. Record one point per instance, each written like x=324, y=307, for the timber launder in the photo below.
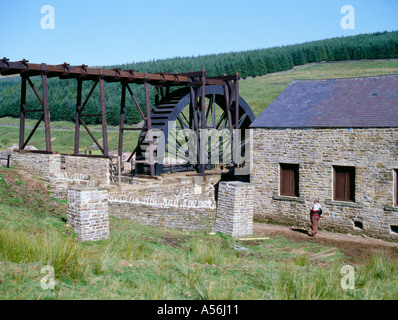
x=65, y=71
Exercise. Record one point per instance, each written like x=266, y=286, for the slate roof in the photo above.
x=369, y=102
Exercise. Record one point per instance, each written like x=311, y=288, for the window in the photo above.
x=344, y=183
x=358, y=225
x=289, y=178
x=394, y=229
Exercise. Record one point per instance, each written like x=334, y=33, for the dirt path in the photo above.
x=356, y=247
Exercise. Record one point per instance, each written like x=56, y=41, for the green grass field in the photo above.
x=145, y=263
x=62, y=135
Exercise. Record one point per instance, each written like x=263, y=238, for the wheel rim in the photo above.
x=174, y=117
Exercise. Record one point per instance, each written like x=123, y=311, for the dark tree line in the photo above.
x=62, y=93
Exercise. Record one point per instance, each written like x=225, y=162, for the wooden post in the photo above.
x=237, y=148
x=149, y=126
x=237, y=101
x=122, y=119
x=46, y=108
x=194, y=102
x=103, y=115
x=22, y=113
x=229, y=116
x=119, y=169
x=77, y=121
x=203, y=134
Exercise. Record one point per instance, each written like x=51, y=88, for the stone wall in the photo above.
x=235, y=209
x=46, y=166
x=88, y=171
x=43, y=165
x=186, y=204
x=88, y=212
x=373, y=152
x=179, y=202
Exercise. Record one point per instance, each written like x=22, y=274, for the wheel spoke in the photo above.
x=188, y=117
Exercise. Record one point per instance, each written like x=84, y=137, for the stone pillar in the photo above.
x=235, y=209
x=88, y=212
x=97, y=168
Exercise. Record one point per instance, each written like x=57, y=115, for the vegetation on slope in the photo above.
x=140, y=262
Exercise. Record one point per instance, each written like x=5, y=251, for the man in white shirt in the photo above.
x=315, y=217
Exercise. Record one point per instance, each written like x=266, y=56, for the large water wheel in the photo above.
x=179, y=117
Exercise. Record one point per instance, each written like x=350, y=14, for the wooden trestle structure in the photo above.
x=196, y=84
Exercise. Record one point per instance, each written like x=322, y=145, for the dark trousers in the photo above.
x=314, y=222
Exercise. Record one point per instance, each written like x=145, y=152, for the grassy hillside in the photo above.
x=63, y=136
x=146, y=263
x=259, y=92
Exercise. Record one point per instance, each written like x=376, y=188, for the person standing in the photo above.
x=315, y=216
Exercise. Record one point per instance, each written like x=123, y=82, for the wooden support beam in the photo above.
x=122, y=119
x=237, y=101
x=136, y=103
x=92, y=136
x=46, y=108
x=103, y=120
x=77, y=120
x=32, y=132
x=229, y=117
x=66, y=71
x=35, y=91
x=149, y=127
x=194, y=102
x=203, y=140
x=22, y=113
x=88, y=96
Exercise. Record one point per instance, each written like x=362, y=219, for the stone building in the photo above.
x=335, y=140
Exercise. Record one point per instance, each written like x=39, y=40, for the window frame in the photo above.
x=293, y=186
x=348, y=186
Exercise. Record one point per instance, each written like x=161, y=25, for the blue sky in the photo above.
x=106, y=32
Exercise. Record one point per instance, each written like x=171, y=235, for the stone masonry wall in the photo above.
x=373, y=152
x=187, y=204
x=46, y=166
x=89, y=171
x=88, y=212
x=235, y=209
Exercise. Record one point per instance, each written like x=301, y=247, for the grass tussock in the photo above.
x=63, y=254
